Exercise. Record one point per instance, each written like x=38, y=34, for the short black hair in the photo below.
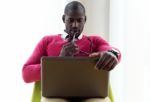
x=74, y=5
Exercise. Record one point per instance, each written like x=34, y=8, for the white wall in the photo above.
x=22, y=24
x=130, y=22
x=117, y=39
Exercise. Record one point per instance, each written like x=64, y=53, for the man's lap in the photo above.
x=75, y=100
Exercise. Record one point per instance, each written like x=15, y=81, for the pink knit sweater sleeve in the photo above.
x=31, y=69
x=103, y=45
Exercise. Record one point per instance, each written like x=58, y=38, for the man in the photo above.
x=71, y=43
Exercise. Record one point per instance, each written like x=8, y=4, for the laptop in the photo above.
x=69, y=77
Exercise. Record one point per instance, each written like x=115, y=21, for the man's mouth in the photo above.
x=74, y=31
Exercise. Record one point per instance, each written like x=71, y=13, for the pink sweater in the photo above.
x=51, y=46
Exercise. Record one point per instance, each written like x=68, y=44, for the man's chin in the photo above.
x=75, y=33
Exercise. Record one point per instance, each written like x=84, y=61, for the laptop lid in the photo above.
x=72, y=77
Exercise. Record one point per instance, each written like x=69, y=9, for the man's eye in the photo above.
x=70, y=20
x=80, y=20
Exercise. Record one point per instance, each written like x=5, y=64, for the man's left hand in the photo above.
x=107, y=60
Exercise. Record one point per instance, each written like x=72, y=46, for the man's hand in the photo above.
x=107, y=60
x=69, y=49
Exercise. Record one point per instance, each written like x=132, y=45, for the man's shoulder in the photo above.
x=93, y=36
x=96, y=38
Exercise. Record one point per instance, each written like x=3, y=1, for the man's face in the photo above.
x=74, y=22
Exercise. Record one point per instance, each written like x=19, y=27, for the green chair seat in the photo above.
x=36, y=96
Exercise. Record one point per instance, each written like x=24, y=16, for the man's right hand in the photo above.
x=69, y=49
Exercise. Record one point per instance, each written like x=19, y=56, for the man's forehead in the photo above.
x=75, y=16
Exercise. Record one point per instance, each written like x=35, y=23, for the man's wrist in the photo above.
x=113, y=51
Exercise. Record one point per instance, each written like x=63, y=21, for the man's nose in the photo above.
x=75, y=24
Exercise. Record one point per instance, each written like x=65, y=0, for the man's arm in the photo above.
x=31, y=69
x=108, y=56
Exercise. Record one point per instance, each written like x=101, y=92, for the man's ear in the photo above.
x=85, y=18
x=63, y=18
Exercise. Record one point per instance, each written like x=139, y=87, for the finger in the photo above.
x=97, y=64
x=77, y=48
x=105, y=61
x=73, y=45
x=112, y=65
x=94, y=54
x=105, y=64
x=69, y=44
x=66, y=44
x=100, y=61
x=74, y=50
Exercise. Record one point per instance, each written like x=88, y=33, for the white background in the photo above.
x=24, y=22
x=129, y=30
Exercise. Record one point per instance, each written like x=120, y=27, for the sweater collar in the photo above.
x=64, y=35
